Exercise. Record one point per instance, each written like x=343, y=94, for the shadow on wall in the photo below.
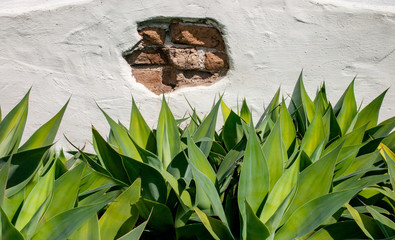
x=177, y=52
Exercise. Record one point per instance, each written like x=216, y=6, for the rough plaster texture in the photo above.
x=74, y=47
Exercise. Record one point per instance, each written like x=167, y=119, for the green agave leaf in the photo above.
x=307, y=103
x=348, y=108
x=383, y=129
x=150, y=158
x=135, y=233
x=389, y=156
x=314, y=181
x=205, y=183
x=314, y=135
x=112, y=140
x=280, y=191
x=358, y=219
x=89, y=230
x=122, y=137
x=167, y=135
x=99, y=196
x=193, y=231
x=207, y=129
x=275, y=154
x=94, y=181
x=3, y=180
x=8, y=231
x=245, y=112
x=12, y=126
x=331, y=125
x=66, y=223
x=232, y=132
x=320, y=100
x=370, y=114
x=275, y=220
x=95, y=166
x=179, y=166
x=109, y=158
x=152, y=183
x=254, y=170
x=46, y=134
x=119, y=211
x=351, y=139
x=193, y=124
x=198, y=159
x=225, y=110
x=36, y=198
x=312, y=214
x=182, y=195
x=255, y=228
x=317, y=152
x=288, y=132
x=159, y=215
x=12, y=204
x=346, y=157
x=30, y=228
x=215, y=227
x=339, y=230
x=11, y=142
x=270, y=110
x=182, y=216
x=362, y=162
x=130, y=223
x=386, y=225
x=355, y=182
x=139, y=130
x=228, y=164
x=65, y=192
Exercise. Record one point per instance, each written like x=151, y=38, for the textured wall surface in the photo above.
x=74, y=47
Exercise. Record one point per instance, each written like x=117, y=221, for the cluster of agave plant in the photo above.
x=307, y=171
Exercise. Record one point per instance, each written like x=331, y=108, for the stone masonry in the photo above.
x=176, y=53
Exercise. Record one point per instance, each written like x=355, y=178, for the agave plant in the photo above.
x=307, y=171
x=44, y=195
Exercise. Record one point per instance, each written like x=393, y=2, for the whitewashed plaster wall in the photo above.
x=66, y=48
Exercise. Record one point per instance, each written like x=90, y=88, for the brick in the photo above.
x=216, y=61
x=197, y=36
x=195, y=78
x=146, y=57
x=183, y=58
x=153, y=36
x=152, y=78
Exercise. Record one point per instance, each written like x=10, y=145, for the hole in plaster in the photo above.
x=177, y=52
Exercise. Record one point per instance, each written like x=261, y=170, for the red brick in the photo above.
x=196, y=35
x=153, y=36
x=195, y=78
x=152, y=78
x=183, y=58
x=146, y=57
x=216, y=61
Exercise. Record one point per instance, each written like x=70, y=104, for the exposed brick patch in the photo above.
x=178, y=53
x=216, y=61
x=153, y=36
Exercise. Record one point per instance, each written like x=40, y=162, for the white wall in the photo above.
x=74, y=47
